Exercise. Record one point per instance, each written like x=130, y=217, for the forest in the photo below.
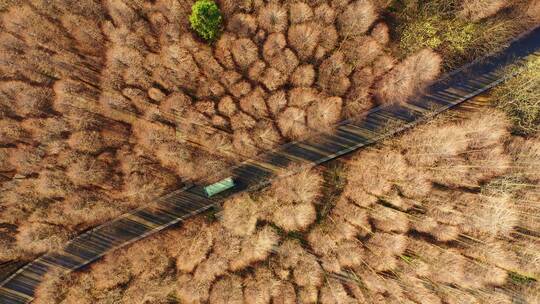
x=107, y=105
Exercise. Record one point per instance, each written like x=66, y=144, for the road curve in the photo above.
x=350, y=135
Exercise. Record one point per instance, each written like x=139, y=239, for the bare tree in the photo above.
x=408, y=77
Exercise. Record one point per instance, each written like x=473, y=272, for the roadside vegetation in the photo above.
x=459, y=30
x=519, y=97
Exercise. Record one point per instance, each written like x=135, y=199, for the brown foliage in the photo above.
x=485, y=157
x=381, y=33
x=353, y=215
x=360, y=234
x=532, y=10
x=25, y=100
x=325, y=236
x=295, y=217
x=526, y=158
x=349, y=253
x=87, y=141
x=54, y=184
x=81, y=210
x=240, y=215
x=54, y=287
x=292, y=123
x=327, y=42
x=433, y=143
x=49, y=131
x=333, y=292
x=244, y=52
x=229, y=78
x=41, y=237
x=265, y=135
x=284, y=294
x=5, y=164
x=27, y=159
x=256, y=70
x=273, y=18
x=389, y=220
x=277, y=102
x=253, y=103
x=489, y=217
x=222, y=51
x=408, y=77
x=148, y=134
x=289, y=201
x=9, y=250
x=303, y=97
x=19, y=200
x=11, y=132
x=242, y=120
x=227, y=290
x=255, y=248
x=381, y=243
x=359, y=99
x=243, y=143
x=227, y=106
x=356, y=18
x=273, y=45
x=300, y=12
x=86, y=170
x=191, y=291
x=375, y=171
x=360, y=50
x=178, y=158
x=114, y=271
x=325, y=13
x=205, y=107
x=324, y=113
x=191, y=244
x=149, y=261
x=144, y=180
x=303, y=76
x=302, y=187
x=480, y=9
x=304, y=38
x=259, y=287
x=306, y=271
x=243, y=25
x=285, y=61
x=383, y=64
x=273, y=79
x=333, y=75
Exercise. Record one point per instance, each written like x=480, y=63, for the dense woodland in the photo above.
x=106, y=105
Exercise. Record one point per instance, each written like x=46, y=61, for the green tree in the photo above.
x=206, y=19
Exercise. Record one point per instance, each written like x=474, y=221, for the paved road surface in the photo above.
x=381, y=122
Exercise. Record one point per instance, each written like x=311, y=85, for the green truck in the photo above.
x=216, y=188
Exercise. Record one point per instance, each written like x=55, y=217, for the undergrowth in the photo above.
x=438, y=25
x=519, y=97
